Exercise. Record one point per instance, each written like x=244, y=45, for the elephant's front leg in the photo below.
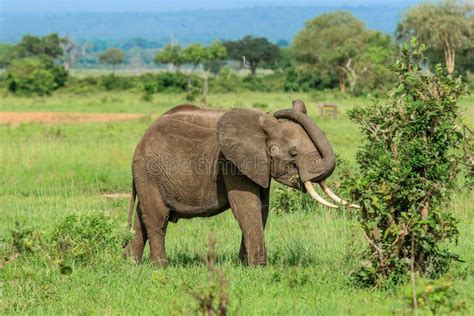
x=244, y=199
x=265, y=198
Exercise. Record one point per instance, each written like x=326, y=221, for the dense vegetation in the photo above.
x=333, y=50
x=409, y=167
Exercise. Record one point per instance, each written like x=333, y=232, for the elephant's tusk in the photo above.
x=333, y=196
x=309, y=187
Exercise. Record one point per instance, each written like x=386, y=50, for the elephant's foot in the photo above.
x=134, y=250
x=256, y=259
x=163, y=263
x=243, y=259
x=257, y=263
x=257, y=256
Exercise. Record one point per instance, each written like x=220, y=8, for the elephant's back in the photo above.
x=180, y=153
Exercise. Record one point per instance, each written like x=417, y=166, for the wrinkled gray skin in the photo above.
x=197, y=163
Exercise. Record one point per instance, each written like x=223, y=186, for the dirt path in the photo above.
x=62, y=117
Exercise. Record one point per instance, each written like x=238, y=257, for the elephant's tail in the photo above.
x=132, y=204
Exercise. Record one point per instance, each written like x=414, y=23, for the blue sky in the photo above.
x=170, y=5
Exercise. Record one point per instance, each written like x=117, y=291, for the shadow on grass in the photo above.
x=296, y=256
x=192, y=259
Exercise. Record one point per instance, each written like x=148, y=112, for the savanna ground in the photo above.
x=49, y=171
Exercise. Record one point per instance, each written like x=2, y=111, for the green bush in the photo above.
x=112, y=82
x=83, y=85
x=286, y=200
x=226, y=81
x=437, y=297
x=254, y=83
x=192, y=94
x=275, y=82
x=25, y=239
x=174, y=82
x=409, y=163
x=149, y=89
x=296, y=81
x=29, y=76
x=79, y=238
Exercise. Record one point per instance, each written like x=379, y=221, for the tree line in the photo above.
x=334, y=50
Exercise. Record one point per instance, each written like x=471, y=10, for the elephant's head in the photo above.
x=289, y=147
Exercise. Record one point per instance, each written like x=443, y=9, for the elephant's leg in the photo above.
x=265, y=198
x=135, y=248
x=155, y=219
x=243, y=251
x=244, y=199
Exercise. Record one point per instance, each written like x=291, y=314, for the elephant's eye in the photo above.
x=293, y=151
x=274, y=150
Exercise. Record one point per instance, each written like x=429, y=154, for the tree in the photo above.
x=49, y=46
x=33, y=75
x=32, y=68
x=369, y=71
x=197, y=54
x=71, y=52
x=408, y=168
x=447, y=26
x=113, y=56
x=214, y=61
x=330, y=43
x=171, y=54
x=7, y=54
x=135, y=59
x=252, y=50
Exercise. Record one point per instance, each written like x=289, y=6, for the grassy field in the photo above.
x=51, y=171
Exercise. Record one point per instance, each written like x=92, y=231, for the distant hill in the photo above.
x=278, y=23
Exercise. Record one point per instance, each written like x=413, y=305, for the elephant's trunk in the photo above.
x=316, y=170
x=315, y=166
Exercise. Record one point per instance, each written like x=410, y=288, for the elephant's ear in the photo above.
x=244, y=142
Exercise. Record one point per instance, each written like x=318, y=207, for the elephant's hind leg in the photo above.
x=135, y=248
x=155, y=216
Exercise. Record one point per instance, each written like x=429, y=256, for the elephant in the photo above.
x=194, y=162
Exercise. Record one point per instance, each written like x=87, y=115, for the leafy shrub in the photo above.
x=226, y=81
x=79, y=238
x=254, y=83
x=112, y=82
x=296, y=81
x=292, y=83
x=83, y=85
x=436, y=296
x=275, y=82
x=408, y=169
x=149, y=89
x=214, y=299
x=286, y=200
x=25, y=239
x=172, y=82
x=29, y=76
x=192, y=93
x=90, y=81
